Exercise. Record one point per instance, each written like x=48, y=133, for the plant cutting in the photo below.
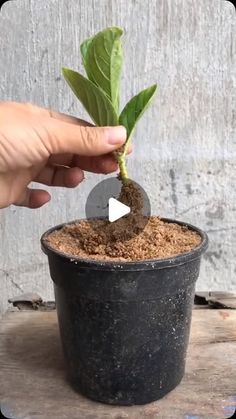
x=124, y=304
x=99, y=93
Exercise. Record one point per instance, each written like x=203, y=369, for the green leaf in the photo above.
x=135, y=108
x=92, y=98
x=102, y=59
x=84, y=49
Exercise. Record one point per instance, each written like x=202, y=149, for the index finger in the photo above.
x=68, y=118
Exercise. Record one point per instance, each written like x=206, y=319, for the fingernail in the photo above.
x=116, y=135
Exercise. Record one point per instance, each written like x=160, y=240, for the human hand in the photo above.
x=51, y=148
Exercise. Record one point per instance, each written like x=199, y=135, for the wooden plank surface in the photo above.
x=33, y=384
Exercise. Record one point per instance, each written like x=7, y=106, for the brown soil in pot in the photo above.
x=102, y=240
x=131, y=195
x=158, y=240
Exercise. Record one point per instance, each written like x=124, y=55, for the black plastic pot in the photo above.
x=125, y=326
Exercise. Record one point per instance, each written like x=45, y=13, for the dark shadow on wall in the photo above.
x=1, y=4
x=3, y=413
x=234, y=4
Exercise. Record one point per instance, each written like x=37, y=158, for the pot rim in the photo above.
x=139, y=265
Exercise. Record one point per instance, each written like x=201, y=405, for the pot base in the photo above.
x=127, y=399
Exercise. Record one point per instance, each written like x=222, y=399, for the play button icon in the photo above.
x=116, y=210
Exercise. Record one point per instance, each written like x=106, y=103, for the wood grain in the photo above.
x=33, y=384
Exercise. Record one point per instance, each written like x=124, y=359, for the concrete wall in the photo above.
x=185, y=146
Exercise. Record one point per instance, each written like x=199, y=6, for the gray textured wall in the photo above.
x=185, y=146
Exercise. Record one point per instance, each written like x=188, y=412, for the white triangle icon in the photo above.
x=116, y=210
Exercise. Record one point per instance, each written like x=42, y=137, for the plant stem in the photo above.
x=121, y=158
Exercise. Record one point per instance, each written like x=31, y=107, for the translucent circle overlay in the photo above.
x=97, y=207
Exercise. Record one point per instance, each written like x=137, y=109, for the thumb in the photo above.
x=83, y=140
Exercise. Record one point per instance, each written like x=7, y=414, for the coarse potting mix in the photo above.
x=101, y=240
